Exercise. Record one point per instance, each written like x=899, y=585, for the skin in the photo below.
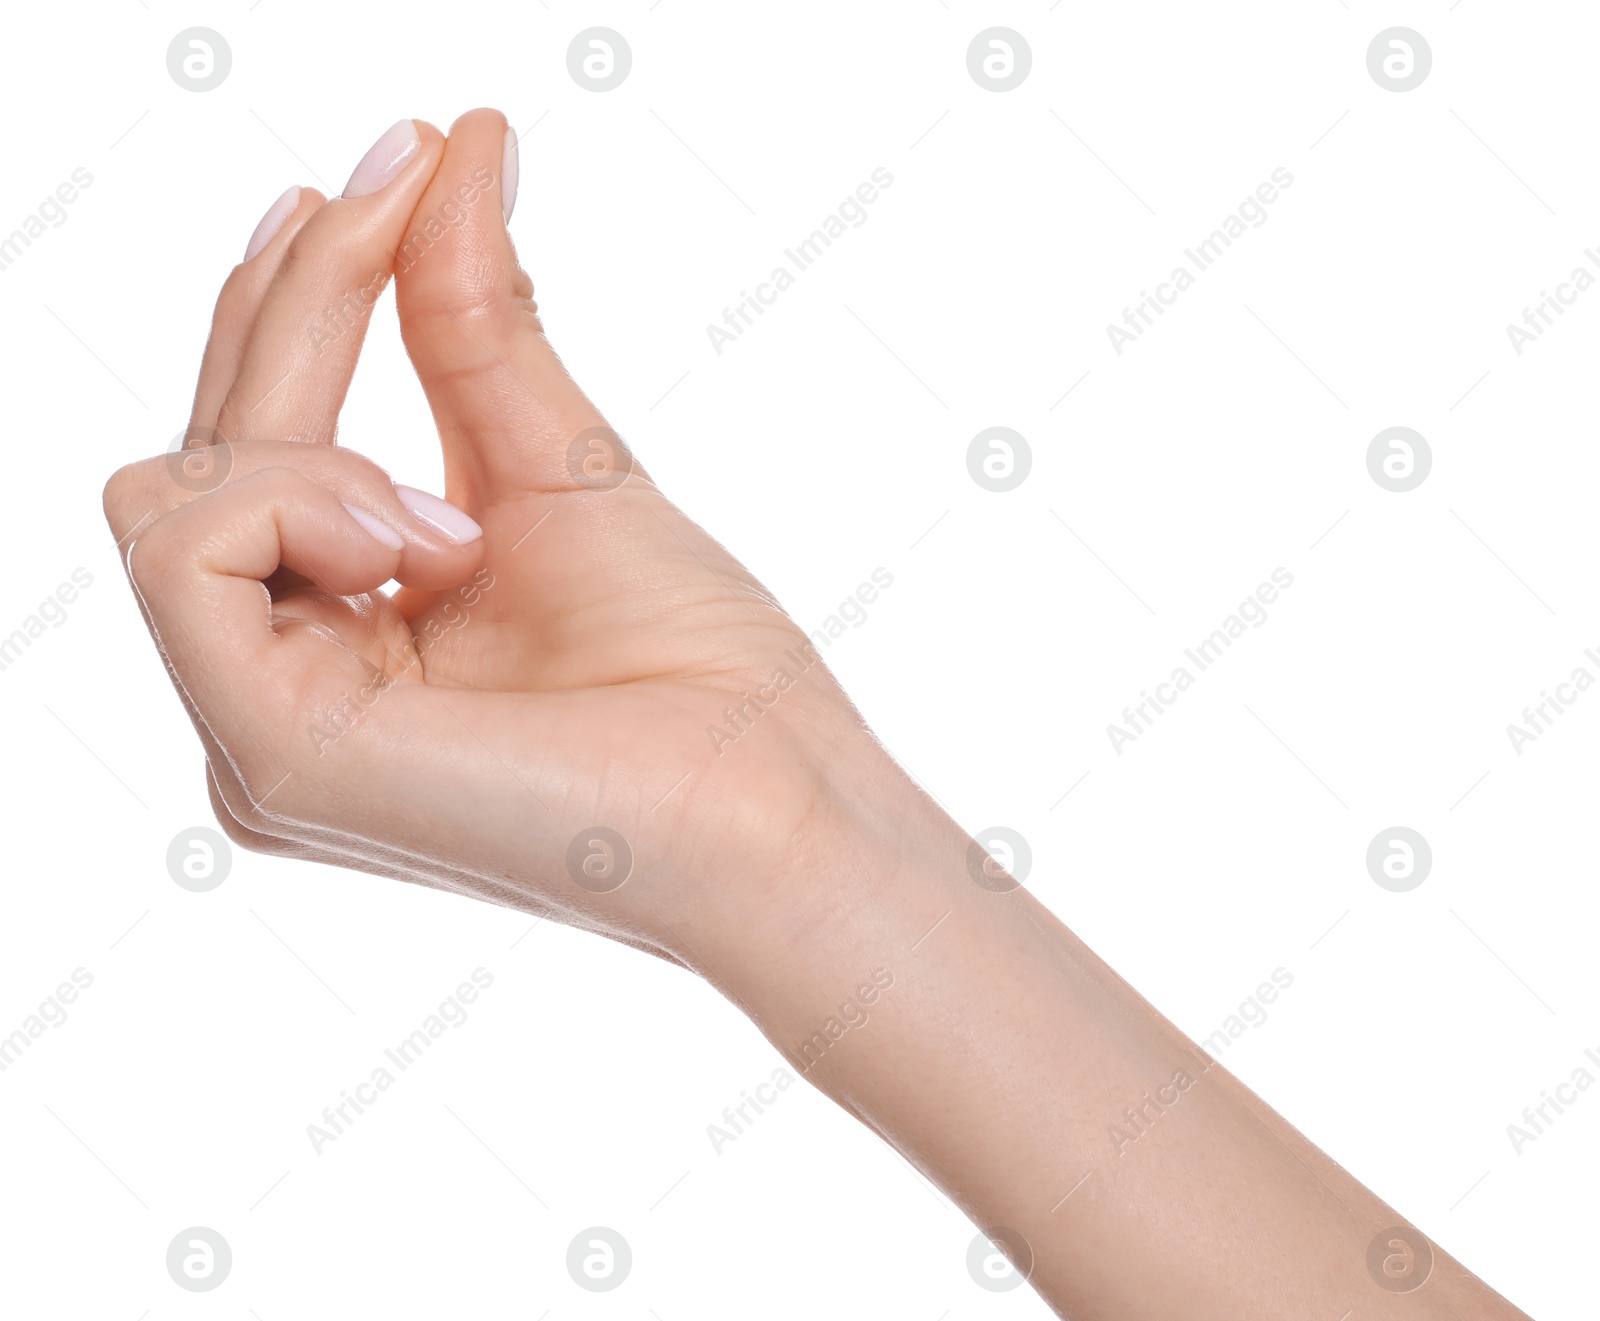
x=561, y=672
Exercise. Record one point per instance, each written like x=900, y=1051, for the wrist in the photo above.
x=838, y=962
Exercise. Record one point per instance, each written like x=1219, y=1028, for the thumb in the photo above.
x=509, y=416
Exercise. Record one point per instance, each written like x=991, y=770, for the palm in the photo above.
x=560, y=607
x=592, y=668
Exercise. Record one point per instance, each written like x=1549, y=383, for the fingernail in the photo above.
x=508, y=174
x=440, y=515
x=384, y=159
x=272, y=222
x=381, y=531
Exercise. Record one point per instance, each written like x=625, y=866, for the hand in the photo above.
x=530, y=718
x=547, y=685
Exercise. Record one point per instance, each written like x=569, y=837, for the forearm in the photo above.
x=999, y=1058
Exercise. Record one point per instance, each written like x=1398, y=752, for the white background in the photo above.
x=826, y=442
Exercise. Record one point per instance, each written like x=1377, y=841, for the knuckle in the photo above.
x=118, y=492
x=149, y=558
x=365, y=473
x=279, y=480
x=232, y=419
x=134, y=495
x=236, y=297
x=307, y=245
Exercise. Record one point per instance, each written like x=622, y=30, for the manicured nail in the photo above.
x=381, y=531
x=384, y=159
x=272, y=222
x=508, y=174
x=440, y=515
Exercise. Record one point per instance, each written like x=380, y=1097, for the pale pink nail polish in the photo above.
x=440, y=515
x=380, y=531
x=384, y=160
x=272, y=222
x=508, y=174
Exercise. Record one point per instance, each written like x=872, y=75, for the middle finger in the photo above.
x=302, y=352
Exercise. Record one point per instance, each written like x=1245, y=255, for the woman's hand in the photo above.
x=578, y=704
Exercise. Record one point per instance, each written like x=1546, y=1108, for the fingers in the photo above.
x=296, y=366
x=240, y=301
x=507, y=412
x=438, y=545
x=199, y=574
